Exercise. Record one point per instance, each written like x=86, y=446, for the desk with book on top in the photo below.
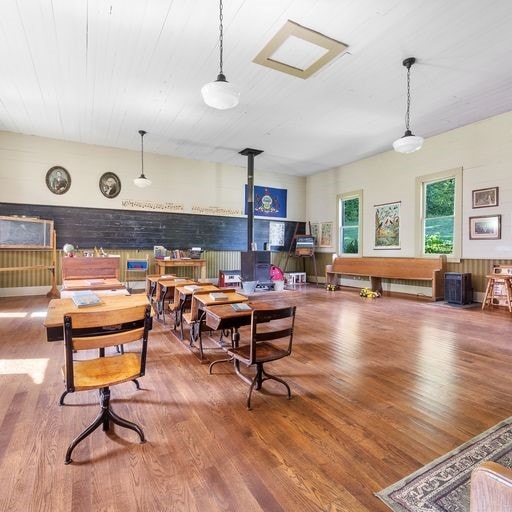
x=202, y=299
x=57, y=308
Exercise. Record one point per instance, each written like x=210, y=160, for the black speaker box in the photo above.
x=457, y=288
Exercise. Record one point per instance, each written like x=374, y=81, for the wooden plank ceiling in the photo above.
x=97, y=71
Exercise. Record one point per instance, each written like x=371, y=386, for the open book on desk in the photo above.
x=241, y=306
x=191, y=287
x=218, y=296
x=85, y=298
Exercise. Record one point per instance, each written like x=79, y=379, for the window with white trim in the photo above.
x=440, y=213
x=349, y=222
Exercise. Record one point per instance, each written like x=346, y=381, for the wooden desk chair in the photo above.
x=85, y=331
x=491, y=488
x=259, y=351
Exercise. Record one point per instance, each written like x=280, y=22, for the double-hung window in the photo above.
x=349, y=222
x=440, y=213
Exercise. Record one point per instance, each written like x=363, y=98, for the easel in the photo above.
x=54, y=292
x=301, y=252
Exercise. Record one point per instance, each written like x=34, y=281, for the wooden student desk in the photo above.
x=223, y=317
x=57, y=308
x=201, y=300
x=165, y=291
x=182, y=301
x=198, y=266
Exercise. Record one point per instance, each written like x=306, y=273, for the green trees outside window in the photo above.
x=439, y=216
x=350, y=225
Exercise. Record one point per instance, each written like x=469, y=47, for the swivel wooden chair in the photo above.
x=259, y=351
x=85, y=331
x=491, y=488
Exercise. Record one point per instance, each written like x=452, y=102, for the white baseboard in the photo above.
x=23, y=291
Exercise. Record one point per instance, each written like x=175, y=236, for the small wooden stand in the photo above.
x=296, y=251
x=54, y=292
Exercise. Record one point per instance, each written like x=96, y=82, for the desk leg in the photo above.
x=203, y=271
x=235, y=338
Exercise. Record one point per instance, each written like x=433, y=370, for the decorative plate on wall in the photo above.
x=110, y=185
x=58, y=180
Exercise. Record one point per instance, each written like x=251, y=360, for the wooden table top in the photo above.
x=224, y=314
x=183, y=291
x=100, y=283
x=156, y=278
x=203, y=298
x=182, y=262
x=57, y=308
x=232, y=297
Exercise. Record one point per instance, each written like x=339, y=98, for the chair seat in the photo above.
x=266, y=352
x=105, y=371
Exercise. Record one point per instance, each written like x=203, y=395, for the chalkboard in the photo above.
x=25, y=233
x=86, y=228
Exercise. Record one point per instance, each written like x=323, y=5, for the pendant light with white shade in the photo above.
x=409, y=142
x=220, y=94
x=142, y=181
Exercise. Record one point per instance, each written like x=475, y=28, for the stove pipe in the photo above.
x=250, y=153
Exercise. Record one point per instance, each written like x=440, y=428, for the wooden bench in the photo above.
x=417, y=269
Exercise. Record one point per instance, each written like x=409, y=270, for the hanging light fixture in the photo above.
x=220, y=94
x=142, y=181
x=409, y=142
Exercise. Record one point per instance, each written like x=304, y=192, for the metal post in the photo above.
x=250, y=153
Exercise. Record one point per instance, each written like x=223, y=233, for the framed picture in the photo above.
x=110, y=185
x=276, y=232
x=387, y=226
x=58, y=180
x=314, y=228
x=325, y=231
x=487, y=227
x=485, y=197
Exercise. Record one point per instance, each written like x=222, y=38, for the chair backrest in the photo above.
x=491, y=488
x=262, y=330
x=86, y=330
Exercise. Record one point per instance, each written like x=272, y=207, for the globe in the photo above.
x=68, y=248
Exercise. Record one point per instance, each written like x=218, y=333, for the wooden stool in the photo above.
x=489, y=291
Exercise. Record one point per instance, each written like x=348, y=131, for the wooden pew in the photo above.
x=376, y=268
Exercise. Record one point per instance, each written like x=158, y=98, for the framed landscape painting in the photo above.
x=387, y=226
x=487, y=227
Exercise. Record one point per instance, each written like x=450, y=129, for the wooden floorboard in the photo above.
x=380, y=388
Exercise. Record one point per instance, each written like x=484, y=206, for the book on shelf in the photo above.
x=241, y=306
x=218, y=296
x=191, y=287
x=85, y=298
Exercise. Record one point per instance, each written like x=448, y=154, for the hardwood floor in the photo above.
x=380, y=387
